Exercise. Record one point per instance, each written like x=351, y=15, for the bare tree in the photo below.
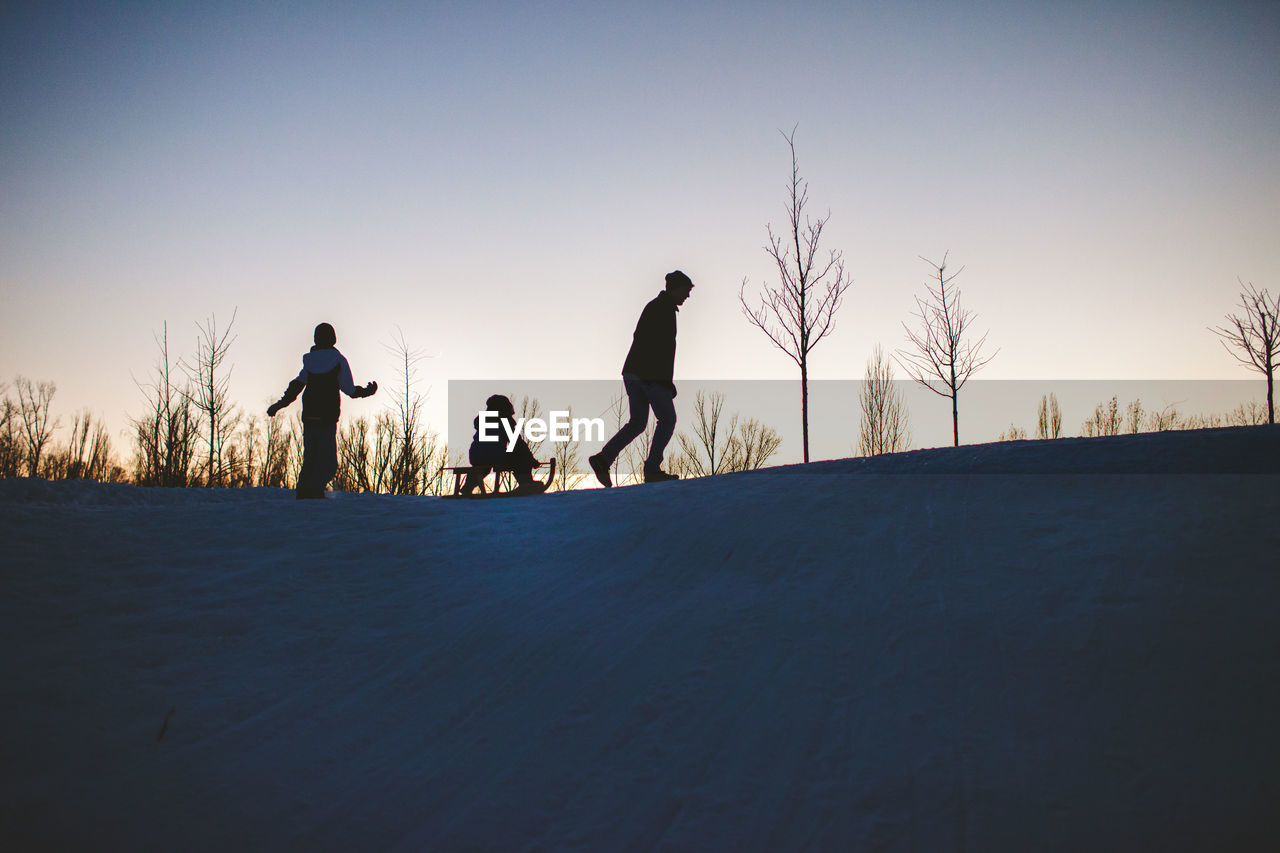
x=800, y=311
x=382, y=458
x=26, y=434
x=395, y=453
x=717, y=447
x=1133, y=416
x=354, y=456
x=1106, y=419
x=1166, y=419
x=294, y=451
x=207, y=389
x=943, y=357
x=1049, y=418
x=37, y=428
x=708, y=450
x=1015, y=433
x=10, y=438
x=87, y=455
x=754, y=445
x=372, y=457
x=165, y=437
x=247, y=453
x=436, y=454
x=1256, y=336
x=884, y=412
x=569, y=472
x=1247, y=414
x=408, y=463
x=274, y=471
x=254, y=454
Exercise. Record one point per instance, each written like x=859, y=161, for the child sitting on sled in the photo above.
x=489, y=450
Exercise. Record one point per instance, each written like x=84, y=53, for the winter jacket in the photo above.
x=652, y=356
x=324, y=373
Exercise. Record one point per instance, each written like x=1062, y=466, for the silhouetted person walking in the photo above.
x=325, y=372
x=647, y=376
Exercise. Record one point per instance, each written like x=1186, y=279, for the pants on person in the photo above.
x=642, y=396
x=319, y=457
x=485, y=456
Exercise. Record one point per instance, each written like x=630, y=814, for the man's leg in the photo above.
x=326, y=455
x=639, y=403
x=664, y=411
x=307, y=475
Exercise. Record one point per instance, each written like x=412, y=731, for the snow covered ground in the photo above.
x=1061, y=645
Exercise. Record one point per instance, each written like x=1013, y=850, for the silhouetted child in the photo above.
x=324, y=373
x=647, y=376
x=486, y=454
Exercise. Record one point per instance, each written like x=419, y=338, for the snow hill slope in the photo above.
x=1000, y=647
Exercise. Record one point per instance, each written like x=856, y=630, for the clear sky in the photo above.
x=507, y=183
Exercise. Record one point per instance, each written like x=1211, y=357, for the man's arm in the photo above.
x=348, y=385
x=290, y=393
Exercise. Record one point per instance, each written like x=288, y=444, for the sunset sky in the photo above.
x=505, y=184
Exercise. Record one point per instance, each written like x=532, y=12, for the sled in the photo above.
x=504, y=482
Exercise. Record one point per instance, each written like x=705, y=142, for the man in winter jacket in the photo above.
x=647, y=377
x=325, y=372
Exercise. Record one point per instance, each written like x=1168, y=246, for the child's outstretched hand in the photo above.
x=272, y=409
x=371, y=389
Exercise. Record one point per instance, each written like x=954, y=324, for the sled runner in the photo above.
x=504, y=485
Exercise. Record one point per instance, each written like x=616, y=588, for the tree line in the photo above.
x=190, y=434
x=942, y=350
x=27, y=447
